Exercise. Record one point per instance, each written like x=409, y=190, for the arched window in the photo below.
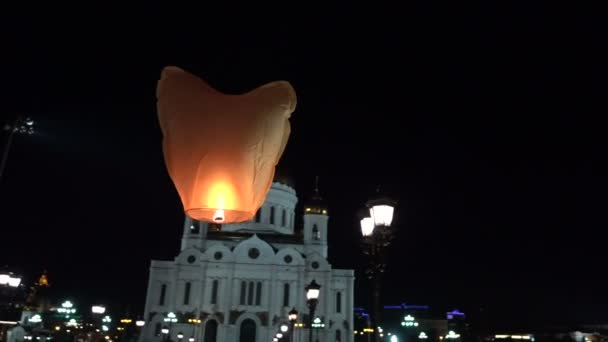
x=195, y=227
x=338, y=335
x=338, y=302
x=163, y=291
x=243, y=293
x=187, y=293
x=157, y=329
x=316, y=234
x=247, y=332
x=284, y=218
x=272, y=215
x=286, y=294
x=250, y=294
x=210, y=331
x=258, y=293
x=214, y=288
x=258, y=215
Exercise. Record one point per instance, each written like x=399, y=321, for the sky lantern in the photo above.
x=220, y=149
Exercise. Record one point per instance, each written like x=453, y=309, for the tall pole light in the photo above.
x=377, y=234
x=312, y=298
x=293, y=318
x=21, y=125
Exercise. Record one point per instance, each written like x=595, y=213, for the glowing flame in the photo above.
x=218, y=216
x=221, y=196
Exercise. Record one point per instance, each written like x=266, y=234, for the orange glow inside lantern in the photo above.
x=221, y=150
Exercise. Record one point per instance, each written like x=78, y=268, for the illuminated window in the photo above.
x=195, y=227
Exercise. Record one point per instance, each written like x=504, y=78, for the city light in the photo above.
x=422, y=335
x=279, y=335
x=394, y=338
x=67, y=308
x=284, y=328
x=316, y=323
x=98, y=309
x=35, y=319
x=451, y=334
x=140, y=323
x=171, y=318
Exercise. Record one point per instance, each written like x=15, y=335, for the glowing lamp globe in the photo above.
x=381, y=211
x=367, y=226
x=313, y=290
x=293, y=315
x=221, y=150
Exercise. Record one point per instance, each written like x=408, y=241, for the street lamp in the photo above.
x=293, y=318
x=10, y=280
x=21, y=125
x=312, y=298
x=377, y=234
x=171, y=318
x=98, y=309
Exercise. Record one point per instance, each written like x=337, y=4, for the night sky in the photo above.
x=485, y=122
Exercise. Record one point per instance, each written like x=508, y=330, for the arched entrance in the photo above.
x=247, y=333
x=210, y=331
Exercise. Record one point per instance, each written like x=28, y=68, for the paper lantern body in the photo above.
x=221, y=150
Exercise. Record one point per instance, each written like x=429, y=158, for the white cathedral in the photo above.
x=237, y=282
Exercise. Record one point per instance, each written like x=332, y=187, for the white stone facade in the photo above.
x=245, y=278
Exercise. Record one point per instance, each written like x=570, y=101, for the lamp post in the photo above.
x=312, y=298
x=293, y=318
x=21, y=125
x=171, y=318
x=377, y=234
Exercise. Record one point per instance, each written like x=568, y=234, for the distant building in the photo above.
x=241, y=280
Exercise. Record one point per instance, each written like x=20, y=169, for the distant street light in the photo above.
x=98, y=309
x=21, y=125
x=140, y=323
x=293, y=318
x=10, y=279
x=312, y=299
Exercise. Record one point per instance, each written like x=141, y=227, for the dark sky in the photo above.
x=484, y=121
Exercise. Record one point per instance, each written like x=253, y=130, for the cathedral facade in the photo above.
x=237, y=282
